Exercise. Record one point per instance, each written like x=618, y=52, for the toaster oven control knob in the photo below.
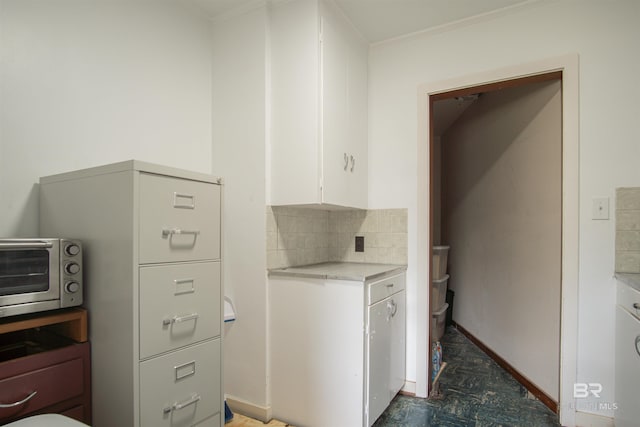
x=72, y=268
x=72, y=287
x=72, y=249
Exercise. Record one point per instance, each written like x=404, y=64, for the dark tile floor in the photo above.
x=476, y=392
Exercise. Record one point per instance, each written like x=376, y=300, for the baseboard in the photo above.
x=248, y=409
x=409, y=389
x=585, y=419
x=533, y=389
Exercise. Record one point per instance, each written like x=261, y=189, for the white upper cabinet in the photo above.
x=319, y=107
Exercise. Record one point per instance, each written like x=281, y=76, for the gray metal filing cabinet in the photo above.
x=152, y=268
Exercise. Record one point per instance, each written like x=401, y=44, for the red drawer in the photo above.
x=60, y=379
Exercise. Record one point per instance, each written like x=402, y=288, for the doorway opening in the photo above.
x=564, y=69
x=495, y=185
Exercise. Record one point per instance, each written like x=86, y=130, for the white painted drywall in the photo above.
x=239, y=136
x=502, y=212
x=84, y=83
x=604, y=35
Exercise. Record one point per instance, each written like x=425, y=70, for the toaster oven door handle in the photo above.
x=14, y=404
x=21, y=245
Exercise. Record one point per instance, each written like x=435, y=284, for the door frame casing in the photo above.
x=569, y=66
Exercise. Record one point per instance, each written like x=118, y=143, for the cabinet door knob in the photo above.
x=392, y=309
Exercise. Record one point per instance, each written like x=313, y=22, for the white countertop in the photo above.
x=355, y=271
x=631, y=279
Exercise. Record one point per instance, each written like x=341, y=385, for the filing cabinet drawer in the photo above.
x=179, y=305
x=381, y=289
x=179, y=219
x=182, y=388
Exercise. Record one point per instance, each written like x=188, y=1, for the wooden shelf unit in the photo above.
x=50, y=378
x=70, y=322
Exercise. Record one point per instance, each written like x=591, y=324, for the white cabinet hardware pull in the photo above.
x=346, y=161
x=389, y=285
x=392, y=308
x=180, y=319
x=13, y=405
x=170, y=231
x=190, y=204
x=638, y=345
x=195, y=397
x=353, y=163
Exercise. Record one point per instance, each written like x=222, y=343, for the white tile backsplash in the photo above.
x=299, y=236
x=628, y=230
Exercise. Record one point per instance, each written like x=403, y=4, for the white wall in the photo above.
x=502, y=216
x=84, y=83
x=604, y=34
x=239, y=137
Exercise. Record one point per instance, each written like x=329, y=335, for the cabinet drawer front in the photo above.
x=181, y=388
x=179, y=219
x=45, y=383
x=179, y=305
x=383, y=288
x=629, y=298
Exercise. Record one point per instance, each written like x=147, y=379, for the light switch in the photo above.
x=600, y=208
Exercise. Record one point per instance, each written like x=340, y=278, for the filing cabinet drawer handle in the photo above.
x=14, y=404
x=188, y=205
x=171, y=231
x=180, y=319
x=195, y=397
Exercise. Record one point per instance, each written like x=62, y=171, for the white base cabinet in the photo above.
x=386, y=332
x=152, y=268
x=337, y=348
x=627, y=355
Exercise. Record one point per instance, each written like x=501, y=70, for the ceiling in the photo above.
x=379, y=20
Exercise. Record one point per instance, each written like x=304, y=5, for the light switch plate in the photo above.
x=601, y=208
